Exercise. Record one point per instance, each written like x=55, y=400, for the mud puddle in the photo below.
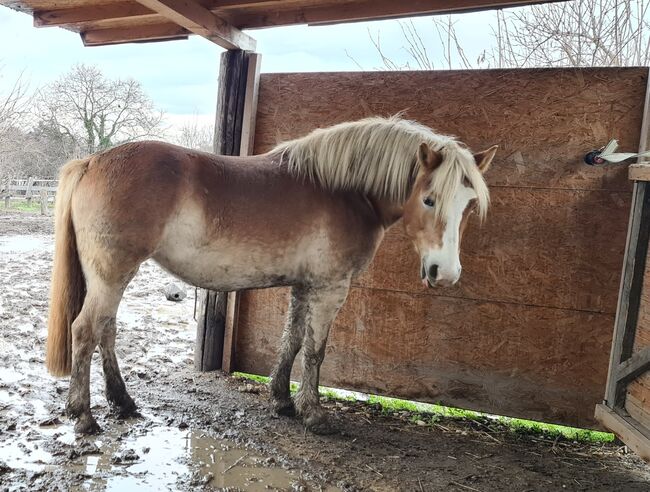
x=24, y=244
x=145, y=457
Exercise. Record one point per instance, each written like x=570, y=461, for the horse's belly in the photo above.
x=226, y=268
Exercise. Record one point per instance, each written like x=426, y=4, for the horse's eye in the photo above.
x=429, y=202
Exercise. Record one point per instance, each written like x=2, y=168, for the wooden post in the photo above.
x=236, y=108
x=43, y=202
x=28, y=191
x=7, y=200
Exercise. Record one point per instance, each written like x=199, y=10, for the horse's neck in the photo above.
x=387, y=210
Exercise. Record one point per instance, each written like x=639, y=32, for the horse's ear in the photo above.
x=484, y=159
x=429, y=158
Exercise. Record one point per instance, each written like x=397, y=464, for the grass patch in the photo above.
x=23, y=206
x=431, y=414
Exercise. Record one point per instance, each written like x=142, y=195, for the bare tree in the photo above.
x=578, y=33
x=97, y=113
x=195, y=135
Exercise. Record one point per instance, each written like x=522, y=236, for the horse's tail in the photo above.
x=68, y=284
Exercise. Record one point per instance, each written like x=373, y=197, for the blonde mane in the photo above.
x=378, y=156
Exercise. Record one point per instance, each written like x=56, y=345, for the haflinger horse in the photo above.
x=309, y=214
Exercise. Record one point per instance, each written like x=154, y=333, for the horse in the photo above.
x=310, y=214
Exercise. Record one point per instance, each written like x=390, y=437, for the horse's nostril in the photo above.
x=433, y=272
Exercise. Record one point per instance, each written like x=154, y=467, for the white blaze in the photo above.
x=447, y=256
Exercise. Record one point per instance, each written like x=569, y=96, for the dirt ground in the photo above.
x=213, y=431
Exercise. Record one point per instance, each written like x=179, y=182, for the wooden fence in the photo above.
x=528, y=330
x=43, y=190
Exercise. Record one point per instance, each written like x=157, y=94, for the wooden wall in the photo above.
x=527, y=331
x=637, y=399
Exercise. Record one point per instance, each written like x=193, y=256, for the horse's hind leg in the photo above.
x=97, y=316
x=118, y=398
x=323, y=305
x=292, y=336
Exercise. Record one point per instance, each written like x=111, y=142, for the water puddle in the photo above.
x=148, y=459
x=24, y=244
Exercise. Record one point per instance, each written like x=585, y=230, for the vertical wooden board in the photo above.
x=544, y=120
x=553, y=248
x=540, y=363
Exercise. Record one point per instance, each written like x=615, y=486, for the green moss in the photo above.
x=432, y=414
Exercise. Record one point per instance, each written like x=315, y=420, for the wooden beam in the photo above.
x=236, y=106
x=199, y=20
x=634, y=366
x=89, y=13
x=626, y=429
x=629, y=297
x=246, y=142
x=154, y=32
x=363, y=10
x=639, y=172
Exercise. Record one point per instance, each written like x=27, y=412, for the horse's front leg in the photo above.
x=323, y=305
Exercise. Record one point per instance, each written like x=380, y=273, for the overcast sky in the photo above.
x=180, y=76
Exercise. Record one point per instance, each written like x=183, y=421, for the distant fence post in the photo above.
x=43, y=202
x=28, y=191
x=7, y=200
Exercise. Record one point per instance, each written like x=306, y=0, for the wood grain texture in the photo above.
x=544, y=120
x=545, y=364
x=528, y=331
x=552, y=248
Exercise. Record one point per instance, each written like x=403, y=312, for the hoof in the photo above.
x=126, y=410
x=87, y=425
x=285, y=408
x=318, y=423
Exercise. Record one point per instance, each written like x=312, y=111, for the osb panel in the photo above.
x=539, y=363
x=552, y=248
x=528, y=330
x=544, y=120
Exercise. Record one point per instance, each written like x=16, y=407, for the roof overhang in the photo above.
x=102, y=22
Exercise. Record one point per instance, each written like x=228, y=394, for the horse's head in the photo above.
x=449, y=187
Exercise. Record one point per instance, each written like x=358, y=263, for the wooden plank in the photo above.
x=539, y=247
x=154, y=32
x=543, y=149
x=633, y=367
x=359, y=10
x=209, y=347
x=637, y=401
x=233, y=98
x=626, y=430
x=639, y=172
x=629, y=297
x=247, y=140
x=507, y=359
x=89, y=13
x=199, y=20
x=538, y=293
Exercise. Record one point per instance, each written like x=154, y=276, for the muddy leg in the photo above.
x=118, y=398
x=97, y=316
x=323, y=306
x=291, y=342
x=83, y=346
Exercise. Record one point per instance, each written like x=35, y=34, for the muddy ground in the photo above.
x=212, y=431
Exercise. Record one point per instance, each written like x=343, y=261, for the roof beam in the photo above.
x=89, y=13
x=122, y=10
x=199, y=20
x=153, y=32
